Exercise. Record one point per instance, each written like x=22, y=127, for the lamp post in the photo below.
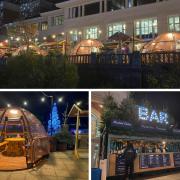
x=60, y=99
x=51, y=100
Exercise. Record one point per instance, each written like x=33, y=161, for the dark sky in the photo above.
x=42, y=110
x=160, y=100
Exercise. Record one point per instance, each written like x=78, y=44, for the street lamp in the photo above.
x=60, y=99
x=79, y=103
x=44, y=38
x=52, y=101
x=43, y=99
x=25, y=103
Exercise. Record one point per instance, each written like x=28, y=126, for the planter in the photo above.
x=52, y=141
x=62, y=147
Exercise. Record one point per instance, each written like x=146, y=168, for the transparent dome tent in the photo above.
x=23, y=139
x=167, y=42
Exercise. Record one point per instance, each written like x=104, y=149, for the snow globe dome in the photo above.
x=23, y=137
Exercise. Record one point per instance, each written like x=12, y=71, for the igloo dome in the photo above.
x=23, y=139
x=164, y=43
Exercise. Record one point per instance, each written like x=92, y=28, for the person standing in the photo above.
x=130, y=155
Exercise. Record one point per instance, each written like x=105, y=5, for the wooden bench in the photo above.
x=3, y=146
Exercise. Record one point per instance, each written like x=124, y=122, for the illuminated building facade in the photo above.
x=100, y=19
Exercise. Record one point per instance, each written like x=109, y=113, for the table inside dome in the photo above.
x=15, y=147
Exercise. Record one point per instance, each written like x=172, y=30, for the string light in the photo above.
x=145, y=114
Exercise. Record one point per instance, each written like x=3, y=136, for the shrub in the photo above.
x=33, y=71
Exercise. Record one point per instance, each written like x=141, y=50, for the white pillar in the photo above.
x=126, y=4
x=105, y=5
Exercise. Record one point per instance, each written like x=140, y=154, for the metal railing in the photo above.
x=126, y=59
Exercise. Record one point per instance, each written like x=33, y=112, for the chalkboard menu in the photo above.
x=154, y=160
x=120, y=165
x=176, y=159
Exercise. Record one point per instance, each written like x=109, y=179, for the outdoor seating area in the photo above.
x=23, y=139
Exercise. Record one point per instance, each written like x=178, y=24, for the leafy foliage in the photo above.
x=64, y=136
x=110, y=112
x=33, y=71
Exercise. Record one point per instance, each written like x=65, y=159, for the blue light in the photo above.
x=146, y=115
x=154, y=116
x=56, y=123
x=143, y=113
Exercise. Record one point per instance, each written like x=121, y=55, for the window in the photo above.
x=146, y=28
x=174, y=23
x=91, y=33
x=142, y=2
x=75, y=12
x=115, y=4
x=57, y=20
x=93, y=8
x=44, y=26
x=117, y=27
x=74, y=35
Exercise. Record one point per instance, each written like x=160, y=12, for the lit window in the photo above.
x=74, y=35
x=146, y=28
x=174, y=24
x=44, y=26
x=57, y=20
x=114, y=28
x=91, y=33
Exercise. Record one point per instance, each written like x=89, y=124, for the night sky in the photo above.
x=42, y=109
x=170, y=100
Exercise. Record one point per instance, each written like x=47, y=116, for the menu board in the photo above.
x=120, y=165
x=154, y=160
x=176, y=159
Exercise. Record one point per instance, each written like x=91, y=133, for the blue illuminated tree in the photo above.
x=54, y=123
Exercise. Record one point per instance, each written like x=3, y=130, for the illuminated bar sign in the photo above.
x=147, y=115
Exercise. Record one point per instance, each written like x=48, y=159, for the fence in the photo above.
x=126, y=59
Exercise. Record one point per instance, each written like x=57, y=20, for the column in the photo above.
x=100, y=6
x=126, y=4
x=83, y=10
x=105, y=5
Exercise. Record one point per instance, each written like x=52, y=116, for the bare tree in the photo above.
x=23, y=32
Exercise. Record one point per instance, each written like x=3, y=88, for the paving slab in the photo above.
x=59, y=166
